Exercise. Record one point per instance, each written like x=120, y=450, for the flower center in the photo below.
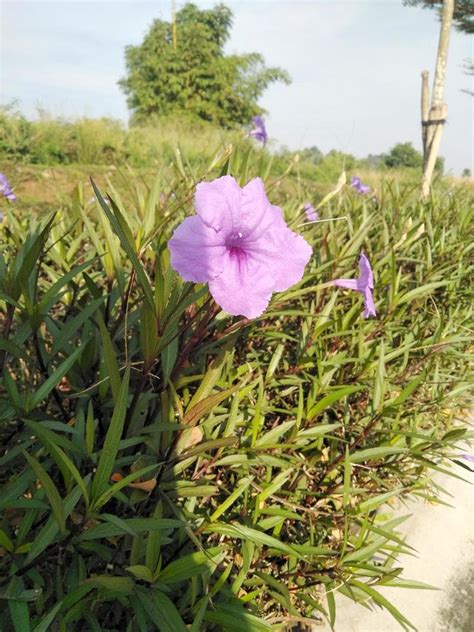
x=235, y=245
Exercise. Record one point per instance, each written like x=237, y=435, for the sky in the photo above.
x=355, y=66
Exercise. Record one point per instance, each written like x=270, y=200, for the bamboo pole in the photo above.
x=438, y=110
x=425, y=111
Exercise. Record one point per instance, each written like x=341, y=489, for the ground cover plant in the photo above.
x=166, y=466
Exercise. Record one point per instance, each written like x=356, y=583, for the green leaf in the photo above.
x=110, y=358
x=375, y=453
x=126, y=480
x=382, y=601
x=20, y=617
x=245, y=533
x=49, y=440
x=53, y=380
x=148, y=334
x=190, y=565
x=44, y=625
x=379, y=380
x=230, y=500
x=29, y=256
x=71, y=327
x=141, y=572
x=50, y=489
x=161, y=611
x=109, y=451
x=331, y=399
x=122, y=230
x=193, y=415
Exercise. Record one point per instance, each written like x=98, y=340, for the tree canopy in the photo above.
x=192, y=74
x=405, y=155
x=463, y=12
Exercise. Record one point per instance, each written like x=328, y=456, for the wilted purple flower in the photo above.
x=358, y=186
x=364, y=284
x=467, y=457
x=5, y=188
x=259, y=132
x=240, y=245
x=311, y=214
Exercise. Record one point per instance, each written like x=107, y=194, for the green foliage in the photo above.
x=192, y=75
x=167, y=467
x=57, y=141
x=403, y=155
x=463, y=15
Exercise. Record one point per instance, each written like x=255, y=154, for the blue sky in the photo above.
x=355, y=66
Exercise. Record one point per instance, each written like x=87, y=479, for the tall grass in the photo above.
x=85, y=141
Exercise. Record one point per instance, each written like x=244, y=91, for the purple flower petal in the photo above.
x=311, y=214
x=240, y=244
x=290, y=256
x=467, y=457
x=348, y=284
x=259, y=132
x=363, y=284
x=366, y=276
x=6, y=188
x=196, y=251
x=217, y=202
x=244, y=288
x=357, y=185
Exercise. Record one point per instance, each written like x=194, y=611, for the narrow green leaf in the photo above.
x=50, y=489
x=161, y=611
x=109, y=451
x=54, y=379
x=110, y=358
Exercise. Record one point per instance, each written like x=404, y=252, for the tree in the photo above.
x=403, y=155
x=463, y=16
x=192, y=74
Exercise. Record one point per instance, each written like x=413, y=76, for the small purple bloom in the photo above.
x=364, y=284
x=356, y=184
x=311, y=214
x=259, y=132
x=240, y=245
x=467, y=457
x=5, y=188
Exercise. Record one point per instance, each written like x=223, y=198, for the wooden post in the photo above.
x=438, y=110
x=425, y=111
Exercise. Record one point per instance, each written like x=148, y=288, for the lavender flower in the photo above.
x=467, y=457
x=364, y=284
x=357, y=185
x=6, y=189
x=240, y=245
x=259, y=132
x=311, y=214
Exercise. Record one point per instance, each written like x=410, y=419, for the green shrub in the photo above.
x=164, y=465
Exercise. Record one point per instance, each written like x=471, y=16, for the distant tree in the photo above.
x=374, y=161
x=466, y=173
x=463, y=12
x=193, y=75
x=311, y=154
x=403, y=155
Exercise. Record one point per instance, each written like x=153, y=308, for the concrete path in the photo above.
x=444, y=540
